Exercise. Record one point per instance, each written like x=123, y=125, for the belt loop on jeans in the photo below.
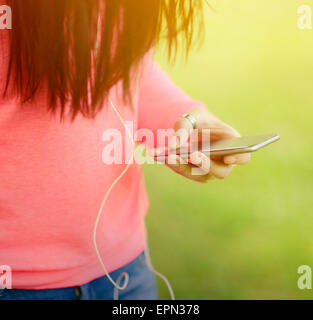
x=78, y=292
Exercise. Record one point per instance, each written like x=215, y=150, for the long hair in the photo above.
x=53, y=44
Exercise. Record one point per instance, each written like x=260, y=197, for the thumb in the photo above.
x=223, y=133
x=183, y=129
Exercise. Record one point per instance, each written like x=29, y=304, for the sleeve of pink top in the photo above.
x=161, y=102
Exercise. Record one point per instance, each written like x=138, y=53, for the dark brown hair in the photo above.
x=52, y=43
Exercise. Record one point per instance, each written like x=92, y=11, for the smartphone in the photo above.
x=222, y=147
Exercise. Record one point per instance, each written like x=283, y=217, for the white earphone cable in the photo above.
x=116, y=284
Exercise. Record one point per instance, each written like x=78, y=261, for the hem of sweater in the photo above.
x=133, y=246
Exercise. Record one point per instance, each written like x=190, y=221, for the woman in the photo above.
x=68, y=69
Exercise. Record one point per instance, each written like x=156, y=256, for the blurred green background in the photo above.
x=245, y=237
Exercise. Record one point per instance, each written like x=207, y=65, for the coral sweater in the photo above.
x=53, y=180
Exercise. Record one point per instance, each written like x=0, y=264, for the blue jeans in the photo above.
x=141, y=286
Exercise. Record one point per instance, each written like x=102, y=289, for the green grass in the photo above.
x=245, y=237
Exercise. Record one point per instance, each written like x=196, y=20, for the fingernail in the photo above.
x=196, y=159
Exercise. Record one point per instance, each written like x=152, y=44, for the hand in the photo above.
x=201, y=168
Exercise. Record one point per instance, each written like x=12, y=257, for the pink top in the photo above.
x=53, y=180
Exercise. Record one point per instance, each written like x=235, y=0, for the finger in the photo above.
x=221, y=130
x=242, y=158
x=179, y=165
x=176, y=163
x=184, y=168
x=220, y=170
x=218, y=129
x=201, y=162
x=212, y=134
x=183, y=129
x=217, y=158
x=222, y=133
